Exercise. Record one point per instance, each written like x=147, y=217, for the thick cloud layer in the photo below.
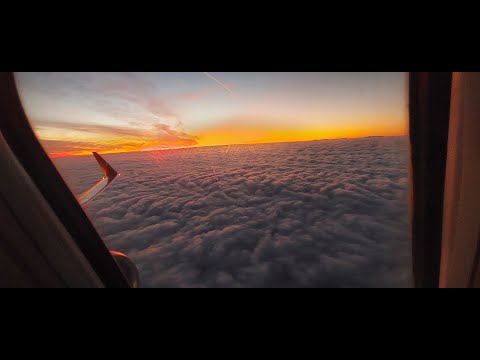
x=330, y=213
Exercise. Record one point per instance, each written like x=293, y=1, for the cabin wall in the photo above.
x=461, y=226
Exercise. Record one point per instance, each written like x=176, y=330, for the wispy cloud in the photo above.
x=132, y=97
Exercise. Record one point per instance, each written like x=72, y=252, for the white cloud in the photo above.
x=325, y=213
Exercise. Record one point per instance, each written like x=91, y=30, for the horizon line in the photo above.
x=51, y=155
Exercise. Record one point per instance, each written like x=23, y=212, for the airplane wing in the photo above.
x=108, y=175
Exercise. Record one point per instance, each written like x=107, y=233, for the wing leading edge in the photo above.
x=108, y=175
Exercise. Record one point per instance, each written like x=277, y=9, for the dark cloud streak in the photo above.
x=159, y=134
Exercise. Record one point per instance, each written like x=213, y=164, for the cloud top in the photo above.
x=313, y=214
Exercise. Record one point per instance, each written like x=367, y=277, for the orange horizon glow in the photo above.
x=242, y=136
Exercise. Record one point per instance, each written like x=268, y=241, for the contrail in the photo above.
x=219, y=82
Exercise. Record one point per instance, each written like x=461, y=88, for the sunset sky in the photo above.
x=77, y=113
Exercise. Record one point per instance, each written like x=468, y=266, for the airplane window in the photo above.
x=237, y=179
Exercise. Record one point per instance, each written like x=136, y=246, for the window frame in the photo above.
x=19, y=135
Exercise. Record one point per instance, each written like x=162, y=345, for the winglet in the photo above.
x=108, y=175
x=108, y=171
